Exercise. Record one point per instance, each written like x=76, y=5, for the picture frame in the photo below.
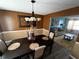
x=22, y=22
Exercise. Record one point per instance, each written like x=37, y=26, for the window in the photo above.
x=76, y=25
x=73, y=24
x=70, y=24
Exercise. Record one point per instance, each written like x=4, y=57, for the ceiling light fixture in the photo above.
x=33, y=18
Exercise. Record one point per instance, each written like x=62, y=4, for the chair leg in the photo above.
x=50, y=49
x=17, y=58
x=41, y=57
x=31, y=56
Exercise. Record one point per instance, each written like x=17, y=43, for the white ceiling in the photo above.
x=42, y=7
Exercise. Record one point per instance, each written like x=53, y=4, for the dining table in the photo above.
x=24, y=47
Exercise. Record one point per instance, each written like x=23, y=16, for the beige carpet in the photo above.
x=72, y=46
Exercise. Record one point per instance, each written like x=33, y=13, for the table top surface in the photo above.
x=24, y=47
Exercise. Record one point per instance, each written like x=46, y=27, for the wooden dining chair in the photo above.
x=51, y=35
x=49, y=44
x=39, y=52
x=3, y=47
x=51, y=40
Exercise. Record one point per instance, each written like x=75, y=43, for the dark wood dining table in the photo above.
x=24, y=47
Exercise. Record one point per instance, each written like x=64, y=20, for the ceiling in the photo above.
x=42, y=7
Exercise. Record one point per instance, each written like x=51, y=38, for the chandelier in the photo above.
x=32, y=18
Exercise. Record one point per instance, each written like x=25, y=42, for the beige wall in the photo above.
x=12, y=35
